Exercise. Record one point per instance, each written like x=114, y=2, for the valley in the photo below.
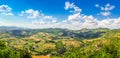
x=62, y=43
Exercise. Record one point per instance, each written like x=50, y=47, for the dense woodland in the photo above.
x=60, y=43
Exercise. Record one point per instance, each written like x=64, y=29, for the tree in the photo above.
x=60, y=48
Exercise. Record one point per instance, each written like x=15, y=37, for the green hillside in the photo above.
x=60, y=43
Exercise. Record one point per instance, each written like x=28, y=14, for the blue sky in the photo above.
x=70, y=14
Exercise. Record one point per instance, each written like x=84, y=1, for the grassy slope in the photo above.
x=103, y=47
x=42, y=43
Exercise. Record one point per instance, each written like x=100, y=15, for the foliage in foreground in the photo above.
x=6, y=52
x=105, y=47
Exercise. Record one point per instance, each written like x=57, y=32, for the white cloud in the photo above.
x=39, y=17
x=105, y=10
x=110, y=23
x=105, y=13
x=75, y=21
x=49, y=18
x=89, y=22
x=9, y=14
x=69, y=5
x=38, y=22
x=79, y=20
x=30, y=13
x=6, y=10
x=74, y=17
x=107, y=7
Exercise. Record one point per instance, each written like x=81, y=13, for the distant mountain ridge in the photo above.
x=15, y=27
x=11, y=28
x=82, y=34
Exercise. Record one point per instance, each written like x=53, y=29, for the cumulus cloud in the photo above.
x=80, y=20
x=45, y=20
x=105, y=10
x=74, y=17
x=6, y=10
x=30, y=13
x=39, y=18
x=110, y=23
x=107, y=7
x=69, y=5
x=75, y=20
x=50, y=19
x=89, y=22
x=107, y=13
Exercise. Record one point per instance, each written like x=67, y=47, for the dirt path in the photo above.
x=40, y=56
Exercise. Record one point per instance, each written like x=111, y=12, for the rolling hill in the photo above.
x=60, y=43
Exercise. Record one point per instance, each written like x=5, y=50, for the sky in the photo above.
x=65, y=14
